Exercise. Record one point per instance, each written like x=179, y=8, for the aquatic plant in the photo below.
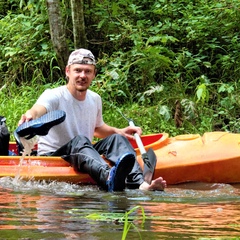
x=128, y=225
x=121, y=218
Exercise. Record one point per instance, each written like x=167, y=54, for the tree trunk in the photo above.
x=80, y=40
x=57, y=32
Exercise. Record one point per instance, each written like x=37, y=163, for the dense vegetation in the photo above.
x=172, y=66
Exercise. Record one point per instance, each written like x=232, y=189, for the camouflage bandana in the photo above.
x=81, y=56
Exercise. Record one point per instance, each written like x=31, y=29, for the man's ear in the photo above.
x=67, y=70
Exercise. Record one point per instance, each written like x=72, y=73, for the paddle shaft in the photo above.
x=138, y=139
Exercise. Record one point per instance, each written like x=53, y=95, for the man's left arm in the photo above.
x=106, y=130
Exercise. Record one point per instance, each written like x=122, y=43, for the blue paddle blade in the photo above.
x=42, y=125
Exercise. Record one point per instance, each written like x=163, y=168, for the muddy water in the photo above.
x=40, y=210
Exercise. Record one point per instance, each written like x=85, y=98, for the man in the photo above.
x=72, y=138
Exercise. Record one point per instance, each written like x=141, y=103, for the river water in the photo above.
x=57, y=210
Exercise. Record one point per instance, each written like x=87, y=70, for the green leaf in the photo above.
x=114, y=74
x=164, y=111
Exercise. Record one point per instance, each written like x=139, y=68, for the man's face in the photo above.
x=80, y=76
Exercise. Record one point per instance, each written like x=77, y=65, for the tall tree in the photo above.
x=80, y=39
x=57, y=31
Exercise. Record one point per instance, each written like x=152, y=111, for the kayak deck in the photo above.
x=213, y=157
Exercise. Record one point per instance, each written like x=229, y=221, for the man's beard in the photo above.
x=81, y=89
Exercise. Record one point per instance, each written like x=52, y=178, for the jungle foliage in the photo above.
x=173, y=66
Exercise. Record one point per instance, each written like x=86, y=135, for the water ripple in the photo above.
x=57, y=210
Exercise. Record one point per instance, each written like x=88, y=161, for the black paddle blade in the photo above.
x=150, y=161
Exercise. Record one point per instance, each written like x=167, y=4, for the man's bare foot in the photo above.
x=156, y=184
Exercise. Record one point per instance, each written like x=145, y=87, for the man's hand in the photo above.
x=25, y=118
x=35, y=112
x=129, y=131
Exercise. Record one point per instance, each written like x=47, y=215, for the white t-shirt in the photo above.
x=82, y=117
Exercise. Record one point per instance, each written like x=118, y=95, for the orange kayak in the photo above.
x=213, y=158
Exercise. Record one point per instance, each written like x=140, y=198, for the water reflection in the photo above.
x=40, y=210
